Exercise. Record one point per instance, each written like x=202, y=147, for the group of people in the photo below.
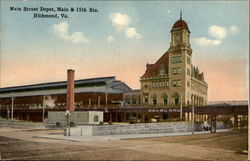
x=206, y=128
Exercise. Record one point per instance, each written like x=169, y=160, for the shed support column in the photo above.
x=186, y=116
x=190, y=116
x=99, y=100
x=89, y=102
x=12, y=107
x=43, y=107
x=236, y=121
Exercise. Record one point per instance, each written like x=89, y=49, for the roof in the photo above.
x=153, y=69
x=102, y=81
x=180, y=24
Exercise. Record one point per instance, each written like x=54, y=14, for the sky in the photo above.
x=120, y=38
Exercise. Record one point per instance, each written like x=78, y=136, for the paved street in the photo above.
x=26, y=143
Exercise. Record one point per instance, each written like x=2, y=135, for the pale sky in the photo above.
x=121, y=38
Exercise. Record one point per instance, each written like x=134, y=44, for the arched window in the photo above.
x=146, y=99
x=165, y=99
x=134, y=99
x=176, y=98
x=154, y=99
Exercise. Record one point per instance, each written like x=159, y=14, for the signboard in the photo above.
x=164, y=110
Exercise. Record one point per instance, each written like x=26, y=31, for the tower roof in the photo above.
x=180, y=24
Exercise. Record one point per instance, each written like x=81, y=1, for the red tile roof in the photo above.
x=153, y=69
x=180, y=24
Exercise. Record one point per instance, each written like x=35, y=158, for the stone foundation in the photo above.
x=142, y=128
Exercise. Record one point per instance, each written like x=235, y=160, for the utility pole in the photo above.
x=181, y=109
x=193, y=119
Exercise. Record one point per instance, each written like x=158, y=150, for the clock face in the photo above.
x=178, y=38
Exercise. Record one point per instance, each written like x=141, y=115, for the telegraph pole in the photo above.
x=181, y=109
x=193, y=119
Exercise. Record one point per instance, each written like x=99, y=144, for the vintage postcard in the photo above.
x=124, y=80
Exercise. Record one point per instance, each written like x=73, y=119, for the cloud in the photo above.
x=110, y=39
x=132, y=33
x=203, y=41
x=61, y=30
x=217, y=31
x=122, y=23
x=234, y=29
x=120, y=20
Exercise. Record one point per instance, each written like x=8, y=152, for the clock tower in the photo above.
x=180, y=34
x=172, y=80
x=180, y=61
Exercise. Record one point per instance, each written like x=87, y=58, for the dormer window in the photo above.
x=162, y=70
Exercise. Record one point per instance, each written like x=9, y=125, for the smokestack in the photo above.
x=70, y=90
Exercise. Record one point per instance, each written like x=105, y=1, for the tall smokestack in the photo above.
x=70, y=90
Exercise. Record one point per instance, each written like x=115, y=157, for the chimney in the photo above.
x=70, y=90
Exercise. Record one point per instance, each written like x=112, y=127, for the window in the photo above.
x=146, y=99
x=176, y=83
x=188, y=71
x=176, y=70
x=165, y=100
x=188, y=60
x=176, y=59
x=167, y=83
x=96, y=119
x=179, y=70
x=160, y=84
x=177, y=101
x=154, y=101
x=164, y=84
x=162, y=70
x=153, y=84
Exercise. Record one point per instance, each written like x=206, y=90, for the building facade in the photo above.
x=173, y=80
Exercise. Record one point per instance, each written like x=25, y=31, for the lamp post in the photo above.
x=67, y=114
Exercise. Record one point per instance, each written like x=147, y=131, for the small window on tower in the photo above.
x=178, y=83
x=174, y=83
x=188, y=71
x=188, y=60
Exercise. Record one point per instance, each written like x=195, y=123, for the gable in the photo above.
x=152, y=70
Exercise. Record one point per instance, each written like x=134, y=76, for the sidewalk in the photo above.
x=120, y=137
